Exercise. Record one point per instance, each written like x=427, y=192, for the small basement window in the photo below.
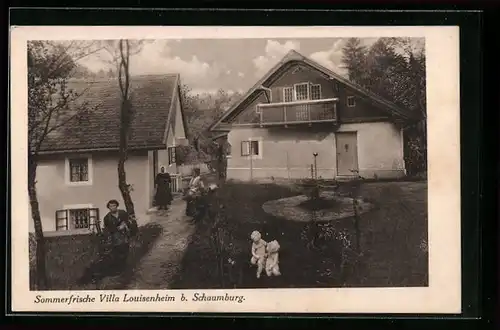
x=351, y=101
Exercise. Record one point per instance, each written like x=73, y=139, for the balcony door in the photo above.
x=347, y=153
x=302, y=94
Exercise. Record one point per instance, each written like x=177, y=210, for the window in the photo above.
x=228, y=149
x=250, y=148
x=351, y=102
x=288, y=94
x=302, y=91
x=79, y=170
x=78, y=218
x=316, y=92
x=171, y=155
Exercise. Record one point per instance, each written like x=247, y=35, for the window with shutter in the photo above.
x=250, y=148
x=68, y=219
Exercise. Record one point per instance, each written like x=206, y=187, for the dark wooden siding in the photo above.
x=300, y=74
x=363, y=111
x=249, y=115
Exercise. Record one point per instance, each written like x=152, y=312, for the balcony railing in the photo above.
x=310, y=111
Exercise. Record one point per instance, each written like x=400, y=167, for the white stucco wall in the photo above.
x=54, y=193
x=287, y=152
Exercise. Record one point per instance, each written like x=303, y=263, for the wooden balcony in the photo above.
x=299, y=112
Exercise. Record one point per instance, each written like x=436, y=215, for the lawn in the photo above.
x=68, y=258
x=392, y=242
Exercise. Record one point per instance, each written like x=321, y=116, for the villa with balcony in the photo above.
x=300, y=108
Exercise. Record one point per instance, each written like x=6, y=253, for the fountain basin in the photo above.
x=329, y=207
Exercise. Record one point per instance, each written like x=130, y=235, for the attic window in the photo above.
x=351, y=101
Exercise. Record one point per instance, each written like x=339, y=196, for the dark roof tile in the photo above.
x=151, y=100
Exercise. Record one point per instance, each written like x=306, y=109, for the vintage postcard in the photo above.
x=235, y=169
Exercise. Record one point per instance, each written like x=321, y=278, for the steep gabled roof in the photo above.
x=153, y=106
x=294, y=56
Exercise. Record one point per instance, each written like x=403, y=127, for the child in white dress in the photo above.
x=258, y=252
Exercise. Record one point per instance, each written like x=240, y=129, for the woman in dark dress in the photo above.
x=117, y=232
x=163, y=196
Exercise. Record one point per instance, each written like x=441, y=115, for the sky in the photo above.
x=207, y=65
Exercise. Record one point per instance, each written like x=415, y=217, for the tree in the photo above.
x=386, y=69
x=395, y=69
x=121, y=52
x=51, y=105
x=201, y=111
x=354, y=60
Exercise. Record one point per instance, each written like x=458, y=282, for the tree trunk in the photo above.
x=122, y=176
x=41, y=274
x=123, y=185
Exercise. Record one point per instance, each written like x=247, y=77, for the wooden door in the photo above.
x=347, y=153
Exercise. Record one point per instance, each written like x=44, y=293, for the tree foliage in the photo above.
x=354, y=60
x=394, y=68
x=201, y=110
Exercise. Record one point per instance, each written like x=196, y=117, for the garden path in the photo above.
x=157, y=268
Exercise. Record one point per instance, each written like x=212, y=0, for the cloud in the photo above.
x=156, y=58
x=228, y=72
x=274, y=52
x=241, y=74
x=331, y=58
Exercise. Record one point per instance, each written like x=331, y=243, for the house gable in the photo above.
x=295, y=68
x=180, y=123
x=176, y=127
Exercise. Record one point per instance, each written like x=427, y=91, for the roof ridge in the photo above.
x=104, y=79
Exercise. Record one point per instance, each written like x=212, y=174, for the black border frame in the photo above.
x=471, y=121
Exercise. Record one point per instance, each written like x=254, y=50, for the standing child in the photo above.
x=258, y=252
